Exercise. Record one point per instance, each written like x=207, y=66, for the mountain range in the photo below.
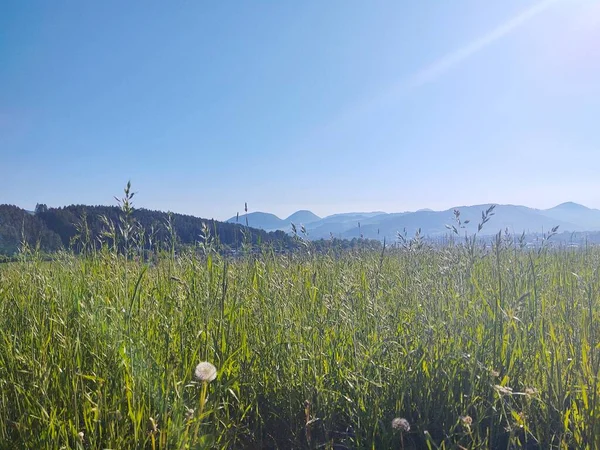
x=568, y=216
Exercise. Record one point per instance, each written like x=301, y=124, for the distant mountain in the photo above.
x=270, y=222
x=575, y=213
x=569, y=206
x=303, y=217
x=262, y=220
x=568, y=216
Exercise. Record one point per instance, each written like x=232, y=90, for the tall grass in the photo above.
x=475, y=347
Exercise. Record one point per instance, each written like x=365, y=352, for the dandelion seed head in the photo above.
x=400, y=424
x=466, y=420
x=205, y=372
x=189, y=413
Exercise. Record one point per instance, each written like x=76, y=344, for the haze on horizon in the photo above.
x=331, y=107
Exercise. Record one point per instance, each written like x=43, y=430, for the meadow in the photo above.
x=475, y=346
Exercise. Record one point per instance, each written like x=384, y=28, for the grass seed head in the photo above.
x=503, y=390
x=153, y=425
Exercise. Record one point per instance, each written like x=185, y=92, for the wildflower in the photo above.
x=80, y=435
x=205, y=372
x=504, y=390
x=400, y=424
x=466, y=420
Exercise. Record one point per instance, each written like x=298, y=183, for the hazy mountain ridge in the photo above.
x=568, y=216
x=270, y=222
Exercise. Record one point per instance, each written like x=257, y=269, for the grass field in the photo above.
x=474, y=347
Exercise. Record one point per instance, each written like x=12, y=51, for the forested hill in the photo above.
x=54, y=228
x=16, y=223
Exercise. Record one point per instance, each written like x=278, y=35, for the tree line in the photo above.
x=52, y=229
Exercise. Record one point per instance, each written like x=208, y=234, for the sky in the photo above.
x=335, y=106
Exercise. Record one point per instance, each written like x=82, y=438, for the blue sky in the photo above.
x=334, y=106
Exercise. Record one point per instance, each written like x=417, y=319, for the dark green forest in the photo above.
x=50, y=229
x=16, y=224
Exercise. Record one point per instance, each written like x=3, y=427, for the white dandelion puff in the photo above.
x=205, y=372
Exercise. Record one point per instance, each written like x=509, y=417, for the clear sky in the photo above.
x=333, y=106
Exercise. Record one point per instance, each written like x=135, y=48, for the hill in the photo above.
x=55, y=228
x=18, y=226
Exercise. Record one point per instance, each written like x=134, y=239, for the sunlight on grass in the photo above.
x=491, y=347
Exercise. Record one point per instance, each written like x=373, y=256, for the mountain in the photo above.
x=586, y=217
x=569, y=206
x=270, y=222
x=302, y=217
x=264, y=221
x=568, y=216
